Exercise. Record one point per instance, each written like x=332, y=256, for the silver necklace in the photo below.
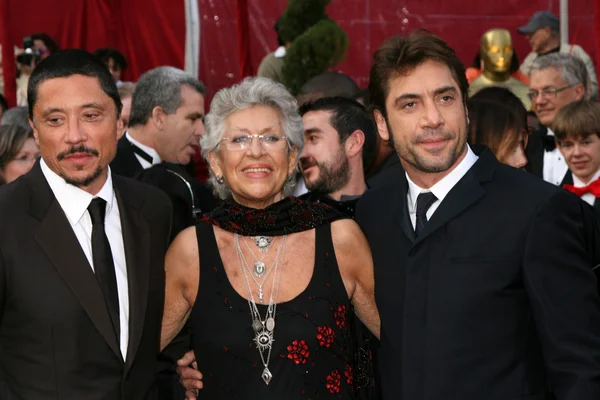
x=262, y=242
x=259, y=284
x=263, y=329
x=259, y=265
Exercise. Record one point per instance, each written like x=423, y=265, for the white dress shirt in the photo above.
x=555, y=166
x=440, y=189
x=588, y=197
x=74, y=202
x=148, y=150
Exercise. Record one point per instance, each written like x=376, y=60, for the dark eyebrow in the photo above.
x=195, y=115
x=97, y=106
x=445, y=89
x=312, y=130
x=406, y=96
x=51, y=111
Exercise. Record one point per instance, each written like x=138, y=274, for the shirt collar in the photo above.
x=445, y=185
x=148, y=150
x=578, y=183
x=73, y=200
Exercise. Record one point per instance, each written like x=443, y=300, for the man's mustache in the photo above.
x=77, y=149
x=306, y=162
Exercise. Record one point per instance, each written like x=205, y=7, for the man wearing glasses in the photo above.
x=556, y=80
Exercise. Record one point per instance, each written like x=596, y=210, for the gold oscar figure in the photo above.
x=496, y=52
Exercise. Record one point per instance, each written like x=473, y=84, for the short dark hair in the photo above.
x=347, y=116
x=12, y=139
x=400, y=55
x=50, y=43
x=578, y=119
x=328, y=84
x=106, y=53
x=67, y=63
x=498, y=118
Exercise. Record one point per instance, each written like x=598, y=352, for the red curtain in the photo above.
x=236, y=34
x=149, y=33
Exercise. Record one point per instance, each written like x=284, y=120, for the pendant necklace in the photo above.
x=259, y=266
x=263, y=329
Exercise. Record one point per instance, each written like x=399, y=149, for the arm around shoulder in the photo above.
x=182, y=278
x=356, y=267
x=563, y=293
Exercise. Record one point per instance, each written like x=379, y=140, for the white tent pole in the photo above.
x=564, y=21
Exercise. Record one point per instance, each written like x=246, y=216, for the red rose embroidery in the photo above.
x=340, y=316
x=333, y=382
x=298, y=352
x=325, y=336
x=349, y=375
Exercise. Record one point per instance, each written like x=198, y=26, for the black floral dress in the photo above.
x=314, y=355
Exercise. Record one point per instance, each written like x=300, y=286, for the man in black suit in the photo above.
x=482, y=276
x=556, y=80
x=81, y=265
x=166, y=123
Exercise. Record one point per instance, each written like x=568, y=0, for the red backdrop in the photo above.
x=152, y=32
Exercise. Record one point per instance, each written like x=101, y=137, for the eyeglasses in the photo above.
x=268, y=141
x=533, y=94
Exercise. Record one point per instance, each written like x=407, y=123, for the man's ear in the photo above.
x=36, y=135
x=382, y=127
x=158, y=117
x=354, y=143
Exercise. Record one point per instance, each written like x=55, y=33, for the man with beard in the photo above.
x=81, y=249
x=339, y=139
x=483, y=279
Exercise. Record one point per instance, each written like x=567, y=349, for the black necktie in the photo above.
x=424, y=201
x=141, y=153
x=104, y=265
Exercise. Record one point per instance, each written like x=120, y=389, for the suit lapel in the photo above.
x=568, y=179
x=136, y=241
x=535, y=153
x=597, y=205
x=401, y=211
x=57, y=239
x=465, y=193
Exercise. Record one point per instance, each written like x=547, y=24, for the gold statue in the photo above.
x=496, y=52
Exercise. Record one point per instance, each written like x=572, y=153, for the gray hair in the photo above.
x=160, y=87
x=251, y=92
x=17, y=116
x=572, y=69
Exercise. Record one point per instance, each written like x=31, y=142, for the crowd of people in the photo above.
x=433, y=236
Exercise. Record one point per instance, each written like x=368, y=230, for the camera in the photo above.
x=30, y=54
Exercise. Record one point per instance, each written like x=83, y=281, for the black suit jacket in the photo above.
x=55, y=330
x=189, y=197
x=125, y=162
x=496, y=299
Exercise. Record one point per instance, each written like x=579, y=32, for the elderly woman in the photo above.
x=268, y=282
x=18, y=152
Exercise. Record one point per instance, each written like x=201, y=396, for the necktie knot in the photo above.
x=97, y=210
x=424, y=201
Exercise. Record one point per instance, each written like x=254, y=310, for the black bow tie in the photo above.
x=549, y=143
x=141, y=153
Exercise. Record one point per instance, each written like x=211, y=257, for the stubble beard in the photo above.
x=333, y=176
x=432, y=164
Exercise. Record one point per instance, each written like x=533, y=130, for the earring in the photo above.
x=220, y=180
